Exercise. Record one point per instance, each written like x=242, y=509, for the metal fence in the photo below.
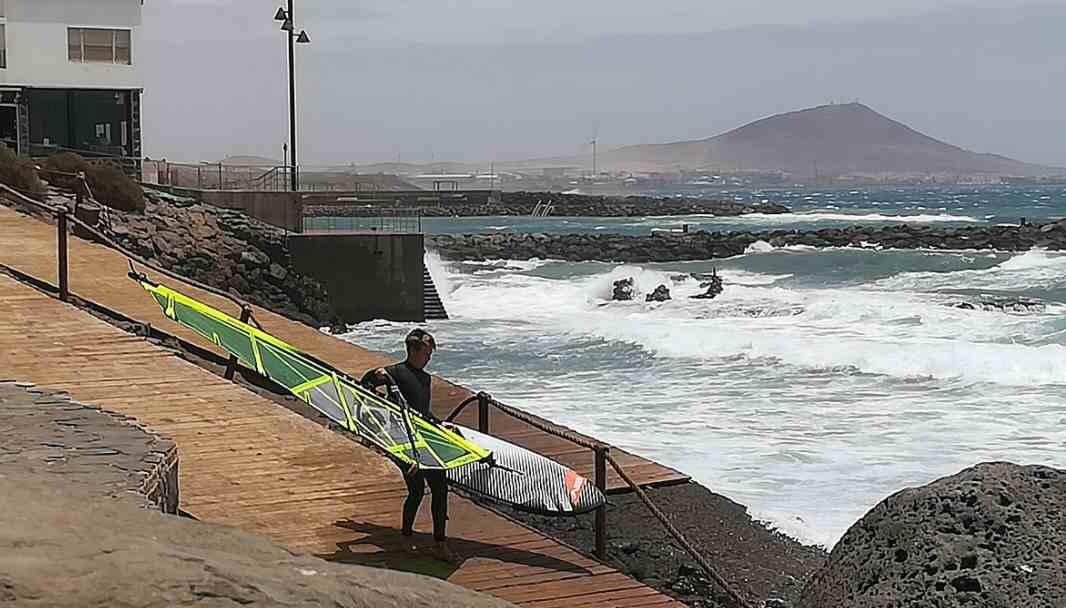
x=386, y=220
x=263, y=178
x=217, y=176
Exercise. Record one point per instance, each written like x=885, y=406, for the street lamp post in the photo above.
x=288, y=26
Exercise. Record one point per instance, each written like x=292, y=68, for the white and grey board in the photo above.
x=524, y=479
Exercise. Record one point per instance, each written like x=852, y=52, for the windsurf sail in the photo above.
x=391, y=427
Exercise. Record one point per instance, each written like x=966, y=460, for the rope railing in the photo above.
x=602, y=456
x=737, y=599
x=526, y=418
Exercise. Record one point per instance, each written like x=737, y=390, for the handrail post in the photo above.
x=78, y=193
x=601, y=512
x=231, y=365
x=61, y=244
x=483, y=413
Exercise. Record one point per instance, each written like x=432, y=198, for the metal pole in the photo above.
x=483, y=413
x=220, y=175
x=61, y=228
x=231, y=365
x=292, y=98
x=601, y=512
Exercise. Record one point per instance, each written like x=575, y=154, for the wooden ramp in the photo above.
x=98, y=274
x=250, y=464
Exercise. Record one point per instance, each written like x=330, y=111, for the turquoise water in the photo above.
x=817, y=384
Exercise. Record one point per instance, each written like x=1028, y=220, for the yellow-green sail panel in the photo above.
x=391, y=427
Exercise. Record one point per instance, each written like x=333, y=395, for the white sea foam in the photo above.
x=894, y=334
x=759, y=247
x=823, y=216
x=438, y=270
x=810, y=413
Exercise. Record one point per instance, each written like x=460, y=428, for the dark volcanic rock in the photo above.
x=713, y=285
x=758, y=562
x=622, y=290
x=993, y=535
x=1002, y=304
x=660, y=294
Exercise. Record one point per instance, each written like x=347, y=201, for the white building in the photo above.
x=71, y=76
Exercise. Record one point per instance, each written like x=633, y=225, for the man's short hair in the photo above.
x=418, y=339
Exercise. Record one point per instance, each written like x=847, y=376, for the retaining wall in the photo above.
x=367, y=276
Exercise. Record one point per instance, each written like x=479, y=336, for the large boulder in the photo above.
x=993, y=535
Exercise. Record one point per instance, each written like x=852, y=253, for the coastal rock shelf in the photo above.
x=569, y=205
x=669, y=247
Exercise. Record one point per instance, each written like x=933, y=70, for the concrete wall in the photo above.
x=368, y=276
x=282, y=209
x=36, y=32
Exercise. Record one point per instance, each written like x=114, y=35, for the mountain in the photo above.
x=826, y=141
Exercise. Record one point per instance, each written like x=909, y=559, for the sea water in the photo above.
x=817, y=384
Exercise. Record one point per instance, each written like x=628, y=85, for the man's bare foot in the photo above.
x=444, y=553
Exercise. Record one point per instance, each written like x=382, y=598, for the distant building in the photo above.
x=554, y=171
x=71, y=76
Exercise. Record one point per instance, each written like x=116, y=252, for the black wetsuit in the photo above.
x=414, y=385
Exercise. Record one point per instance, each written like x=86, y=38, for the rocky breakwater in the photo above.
x=224, y=249
x=701, y=245
x=573, y=205
x=991, y=535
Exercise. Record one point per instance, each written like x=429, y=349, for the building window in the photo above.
x=97, y=45
x=3, y=41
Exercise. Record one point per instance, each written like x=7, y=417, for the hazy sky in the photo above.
x=421, y=80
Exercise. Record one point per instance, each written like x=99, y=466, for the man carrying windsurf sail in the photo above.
x=411, y=380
